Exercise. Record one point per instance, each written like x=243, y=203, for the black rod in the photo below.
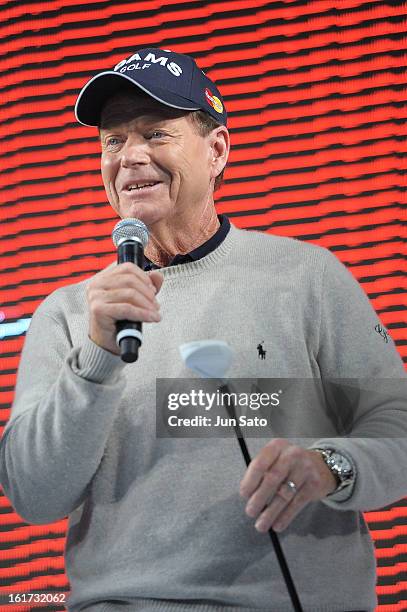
x=292, y=591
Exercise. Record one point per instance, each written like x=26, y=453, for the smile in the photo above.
x=139, y=186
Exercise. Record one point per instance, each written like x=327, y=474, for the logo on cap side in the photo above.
x=134, y=63
x=213, y=101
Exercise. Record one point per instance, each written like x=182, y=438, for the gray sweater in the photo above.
x=158, y=522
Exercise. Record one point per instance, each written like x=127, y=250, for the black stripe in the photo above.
x=252, y=212
x=206, y=20
x=246, y=77
x=177, y=7
x=237, y=147
x=373, y=261
x=392, y=292
x=75, y=60
x=315, y=218
x=332, y=231
x=241, y=96
x=29, y=575
x=51, y=262
x=16, y=561
x=393, y=579
x=393, y=598
x=44, y=279
x=379, y=525
x=340, y=164
x=165, y=42
x=394, y=308
x=378, y=277
x=254, y=129
x=340, y=113
x=50, y=80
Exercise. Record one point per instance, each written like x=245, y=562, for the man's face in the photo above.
x=155, y=164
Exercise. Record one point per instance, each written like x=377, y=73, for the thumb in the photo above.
x=157, y=279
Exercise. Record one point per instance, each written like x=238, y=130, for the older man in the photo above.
x=177, y=524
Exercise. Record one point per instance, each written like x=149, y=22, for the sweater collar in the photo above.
x=209, y=262
x=201, y=251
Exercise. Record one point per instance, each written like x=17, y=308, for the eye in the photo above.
x=155, y=134
x=112, y=141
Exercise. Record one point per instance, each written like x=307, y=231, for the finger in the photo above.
x=123, y=269
x=259, y=466
x=267, y=490
x=128, y=312
x=289, y=462
x=280, y=513
x=269, y=514
x=157, y=279
x=286, y=496
x=129, y=296
x=126, y=268
x=126, y=279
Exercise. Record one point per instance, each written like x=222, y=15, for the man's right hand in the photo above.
x=124, y=292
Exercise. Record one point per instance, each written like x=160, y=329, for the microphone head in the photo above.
x=130, y=229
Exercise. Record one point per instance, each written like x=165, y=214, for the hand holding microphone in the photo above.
x=122, y=297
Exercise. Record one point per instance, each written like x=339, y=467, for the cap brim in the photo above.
x=96, y=92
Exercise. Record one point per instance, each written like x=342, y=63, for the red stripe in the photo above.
x=34, y=548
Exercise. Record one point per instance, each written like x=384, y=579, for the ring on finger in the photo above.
x=292, y=486
x=292, y=489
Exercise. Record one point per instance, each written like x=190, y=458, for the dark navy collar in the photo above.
x=201, y=251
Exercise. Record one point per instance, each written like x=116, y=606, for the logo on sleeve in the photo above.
x=383, y=332
x=213, y=101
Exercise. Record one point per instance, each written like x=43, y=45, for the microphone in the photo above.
x=130, y=236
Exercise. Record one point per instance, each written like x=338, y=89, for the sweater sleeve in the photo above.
x=356, y=352
x=61, y=418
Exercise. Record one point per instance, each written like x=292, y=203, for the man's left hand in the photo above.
x=272, y=501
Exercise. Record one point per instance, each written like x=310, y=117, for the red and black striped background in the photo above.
x=315, y=93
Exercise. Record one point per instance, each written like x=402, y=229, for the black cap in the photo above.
x=171, y=78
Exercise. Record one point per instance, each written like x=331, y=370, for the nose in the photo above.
x=135, y=152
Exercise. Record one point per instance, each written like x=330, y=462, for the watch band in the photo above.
x=340, y=466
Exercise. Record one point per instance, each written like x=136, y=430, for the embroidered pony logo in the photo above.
x=261, y=351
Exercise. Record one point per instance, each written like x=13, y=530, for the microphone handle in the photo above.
x=129, y=333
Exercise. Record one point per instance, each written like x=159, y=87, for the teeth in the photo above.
x=141, y=186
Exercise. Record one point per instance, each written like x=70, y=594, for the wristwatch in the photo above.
x=340, y=467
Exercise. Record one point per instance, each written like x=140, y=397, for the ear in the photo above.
x=220, y=145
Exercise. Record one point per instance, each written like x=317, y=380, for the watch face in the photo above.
x=340, y=464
